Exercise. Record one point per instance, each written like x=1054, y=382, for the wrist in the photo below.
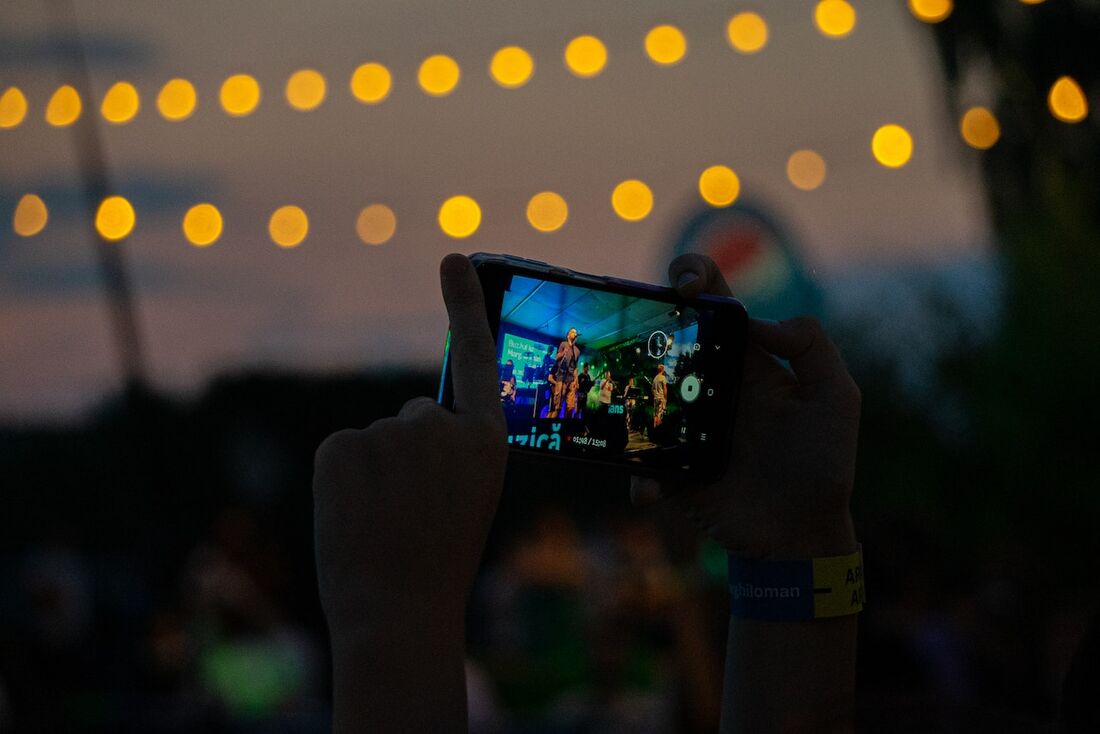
x=821, y=537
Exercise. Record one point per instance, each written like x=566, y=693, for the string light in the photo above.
x=438, y=75
x=747, y=32
x=202, y=225
x=64, y=107
x=719, y=186
x=632, y=200
x=892, y=146
x=459, y=217
x=239, y=95
x=115, y=218
x=120, y=104
x=511, y=67
x=13, y=107
x=547, y=211
x=979, y=128
x=586, y=56
x=288, y=226
x=665, y=45
x=31, y=216
x=834, y=18
x=1066, y=100
x=806, y=169
x=376, y=224
x=931, y=11
x=176, y=100
x=306, y=90
x=371, y=82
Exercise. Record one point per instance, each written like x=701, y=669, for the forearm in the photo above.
x=400, y=675
x=790, y=676
x=793, y=676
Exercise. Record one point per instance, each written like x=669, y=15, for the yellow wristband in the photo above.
x=791, y=590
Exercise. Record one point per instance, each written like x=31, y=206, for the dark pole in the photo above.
x=95, y=186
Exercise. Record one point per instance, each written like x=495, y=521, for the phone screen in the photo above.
x=620, y=377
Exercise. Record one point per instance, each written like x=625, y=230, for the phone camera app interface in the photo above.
x=587, y=372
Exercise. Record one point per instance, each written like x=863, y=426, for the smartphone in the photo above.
x=597, y=369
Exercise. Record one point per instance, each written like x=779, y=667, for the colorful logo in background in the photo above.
x=758, y=258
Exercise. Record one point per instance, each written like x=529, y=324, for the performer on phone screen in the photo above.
x=564, y=375
x=584, y=384
x=660, y=395
x=629, y=402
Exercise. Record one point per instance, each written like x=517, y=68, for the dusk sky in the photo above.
x=335, y=302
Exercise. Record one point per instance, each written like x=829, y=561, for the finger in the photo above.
x=803, y=342
x=473, y=355
x=419, y=408
x=692, y=274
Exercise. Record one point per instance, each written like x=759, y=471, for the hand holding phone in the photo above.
x=565, y=344
x=788, y=489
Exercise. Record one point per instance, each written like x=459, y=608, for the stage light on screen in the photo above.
x=665, y=45
x=13, y=107
x=30, y=216
x=120, y=104
x=288, y=226
x=306, y=89
x=892, y=146
x=64, y=107
x=931, y=11
x=719, y=186
x=371, y=82
x=239, y=95
x=1066, y=100
x=459, y=217
x=438, y=75
x=979, y=128
x=806, y=169
x=511, y=67
x=115, y=218
x=376, y=224
x=202, y=225
x=835, y=18
x=586, y=56
x=747, y=32
x=547, y=211
x=632, y=200
x=176, y=100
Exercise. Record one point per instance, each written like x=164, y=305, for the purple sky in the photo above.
x=334, y=302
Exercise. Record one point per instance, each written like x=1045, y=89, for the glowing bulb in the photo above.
x=288, y=226
x=719, y=186
x=202, y=225
x=547, y=211
x=120, y=104
x=64, y=107
x=1031, y=2
x=979, y=128
x=30, y=216
x=371, y=82
x=176, y=100
x=892, y=146
x=511, y=67
x=931, y=11
x=376, y=224
x=835, y=18
x=239, y=95
x=115, y=218
x=632, y=200
x=1066, y=100
x=665, y=45
x=305, y=90
x=13, y=107
x=747, y=32
x=438, y=75
x=806, y=170
x=586, y=56
x=460, y=216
